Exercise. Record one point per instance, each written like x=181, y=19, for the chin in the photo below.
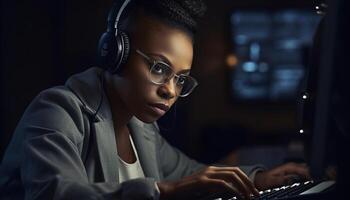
x=147, y=118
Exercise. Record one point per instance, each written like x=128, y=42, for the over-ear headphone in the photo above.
x=114, y=45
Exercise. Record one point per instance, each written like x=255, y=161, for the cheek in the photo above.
x=144, y=93
x=172, y=101
x=142, y=87
x=137, y=78
x=141, y=90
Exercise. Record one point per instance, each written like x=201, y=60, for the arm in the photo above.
x=185, y=178
x=176, y=164
x=173, y=163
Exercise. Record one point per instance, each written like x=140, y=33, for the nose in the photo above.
x=168, y=89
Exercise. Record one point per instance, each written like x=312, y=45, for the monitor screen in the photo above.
x=271, y=48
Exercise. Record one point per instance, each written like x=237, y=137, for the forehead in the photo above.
x=154, y=36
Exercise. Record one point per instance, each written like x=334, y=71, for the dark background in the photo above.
x=44, y=42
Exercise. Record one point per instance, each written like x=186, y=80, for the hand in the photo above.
x=281, y=175
x=211, y=180
x=331, y=172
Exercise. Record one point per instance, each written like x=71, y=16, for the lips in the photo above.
x=159, y=108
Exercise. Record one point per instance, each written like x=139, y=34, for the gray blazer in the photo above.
x=63, y=149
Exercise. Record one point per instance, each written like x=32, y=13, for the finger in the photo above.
x=222, y=186
x=303, y=164
x=299, y=169
x=289, y=168
x=232, y=177
x=290, y=179
x=247, y=181
x=243, y=177
x=275, y=181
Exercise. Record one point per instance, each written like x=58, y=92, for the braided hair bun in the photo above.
x=181, y=13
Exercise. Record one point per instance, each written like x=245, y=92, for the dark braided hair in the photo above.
x=183, y=14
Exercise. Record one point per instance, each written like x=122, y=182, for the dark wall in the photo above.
x=42, y=43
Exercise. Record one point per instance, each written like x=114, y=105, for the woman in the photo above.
x=96, y=137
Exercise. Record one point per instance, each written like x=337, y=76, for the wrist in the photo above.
x=165, y=190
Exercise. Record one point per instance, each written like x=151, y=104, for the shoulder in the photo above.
x=70, y=103
x=55, y=110
x=59, y=95
x=56, y=100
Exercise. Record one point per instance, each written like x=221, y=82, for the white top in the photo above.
x=129, y=171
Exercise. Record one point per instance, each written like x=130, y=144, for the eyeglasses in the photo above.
x=160, y=73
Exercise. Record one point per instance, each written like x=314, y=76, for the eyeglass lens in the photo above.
x=161, y=73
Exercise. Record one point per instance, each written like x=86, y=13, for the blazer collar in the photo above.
x=88, y=87
x=144, y=137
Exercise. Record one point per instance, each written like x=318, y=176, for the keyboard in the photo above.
x=292, y=191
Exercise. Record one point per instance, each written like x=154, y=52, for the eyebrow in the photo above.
x=166, y=60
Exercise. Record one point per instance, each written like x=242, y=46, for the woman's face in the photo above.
x=142, y=98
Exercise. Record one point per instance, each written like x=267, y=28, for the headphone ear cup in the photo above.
x=113, y=51
x=122, y=52
x=107, y=50
x=126, y=42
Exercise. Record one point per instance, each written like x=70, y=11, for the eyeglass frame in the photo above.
x=152, y=62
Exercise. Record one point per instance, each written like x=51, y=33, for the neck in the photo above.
x=121, y=115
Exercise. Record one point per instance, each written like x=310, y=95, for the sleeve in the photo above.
x=51, y=165
x=251, y=170
x=175, y=164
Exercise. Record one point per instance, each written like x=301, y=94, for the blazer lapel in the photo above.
x=145, y=146
x=89, y=88
x=107, y=150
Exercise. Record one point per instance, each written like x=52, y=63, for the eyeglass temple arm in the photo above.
x=144, y=55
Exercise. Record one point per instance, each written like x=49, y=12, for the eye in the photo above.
x=158, y=69
x=181, y=80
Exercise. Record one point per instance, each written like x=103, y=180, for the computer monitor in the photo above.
x=271, y=48
x=330, y=129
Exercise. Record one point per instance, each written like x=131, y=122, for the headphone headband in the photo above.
x=116, y=13
x=126, y=2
